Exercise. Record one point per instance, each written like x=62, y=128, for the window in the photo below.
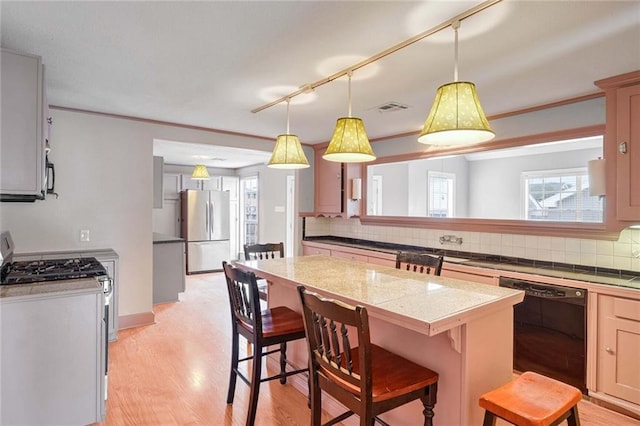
x=560, y=195
x=249, y=210
x=440, y=194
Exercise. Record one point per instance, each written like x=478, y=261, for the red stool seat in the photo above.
x=532, y=400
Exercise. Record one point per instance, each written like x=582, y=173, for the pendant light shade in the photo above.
x=288, y=153
x=456, y=116
x=200, y=173
x=349, y=143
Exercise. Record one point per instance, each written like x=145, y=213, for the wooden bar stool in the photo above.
x=262, y=328
x=532, y=400
x=365, y=378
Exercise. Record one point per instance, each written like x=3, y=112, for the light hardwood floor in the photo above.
x=176, y=371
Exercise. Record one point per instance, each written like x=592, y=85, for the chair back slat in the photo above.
x=263, y=251
x=243, y=297
x=331, y=347
x=419, y=262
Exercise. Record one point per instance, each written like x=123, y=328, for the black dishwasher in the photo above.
x=549, y=331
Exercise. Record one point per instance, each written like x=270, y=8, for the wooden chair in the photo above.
x=274, y=326
x=263, y=252
x=366, y=378
x=419, y=262
x=532, y=400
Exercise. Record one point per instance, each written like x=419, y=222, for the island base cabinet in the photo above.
x=52, y=369
x=470, y=359
x=619, y=348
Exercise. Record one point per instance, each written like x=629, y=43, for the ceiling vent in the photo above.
x=391, y=106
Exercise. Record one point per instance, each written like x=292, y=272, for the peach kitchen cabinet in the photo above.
x=618, y=369
x=333, y=182
x=622, y=143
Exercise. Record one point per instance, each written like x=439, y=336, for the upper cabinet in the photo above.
x=334, y=186
x=24, y=118
x=623, y=139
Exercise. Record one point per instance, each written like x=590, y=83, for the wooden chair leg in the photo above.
x=255, y=384
x=283, y=362
x=316, y=401
x=574, y=418
x=489, y=419
x=429, y=401
x=233, y=375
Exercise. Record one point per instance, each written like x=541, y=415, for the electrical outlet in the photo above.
x=84, y=236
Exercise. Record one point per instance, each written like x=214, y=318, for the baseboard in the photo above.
x=615, y=404
x=299, y=381
x=136, y=320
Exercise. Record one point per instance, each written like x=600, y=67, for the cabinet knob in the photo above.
x=622, y=147
x=609, y=350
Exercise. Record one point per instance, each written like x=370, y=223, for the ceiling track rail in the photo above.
x=305, y=88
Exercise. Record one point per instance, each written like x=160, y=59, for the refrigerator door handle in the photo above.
x=211, y=226
x=206, y=218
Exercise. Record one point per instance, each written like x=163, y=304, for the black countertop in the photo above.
x=615, y=277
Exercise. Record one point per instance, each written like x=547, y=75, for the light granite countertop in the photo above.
x=426, y=303
x=48, y=287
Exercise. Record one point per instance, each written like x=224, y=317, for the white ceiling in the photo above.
x=210, y=63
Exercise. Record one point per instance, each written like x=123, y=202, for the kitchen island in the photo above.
x=462, y=330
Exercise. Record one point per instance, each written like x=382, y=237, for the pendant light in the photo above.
x=288, y=153
x=456, y=117
x=349, y=143
x=200, y=172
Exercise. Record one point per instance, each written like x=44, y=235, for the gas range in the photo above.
x=51, y=270
x=33, y=271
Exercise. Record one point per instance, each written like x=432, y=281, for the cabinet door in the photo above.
x=215, y=183
x=465, y=276
x=628, y=132
x=350, y=256
x=619, y=346
x=22, y=142
x=328, y=186
x=231, y=184
x=171, y=186
x=310, y=251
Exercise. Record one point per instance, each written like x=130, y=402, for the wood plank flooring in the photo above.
x=176, y=371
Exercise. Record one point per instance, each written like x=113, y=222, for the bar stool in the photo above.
x=532, y=400
x=262, y=328
x=365, y=378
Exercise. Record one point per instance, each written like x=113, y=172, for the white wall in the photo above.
x=104, y=175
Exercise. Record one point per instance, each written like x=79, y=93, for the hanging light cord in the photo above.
x=455, y=25
x=349, y=74
x=288, y=101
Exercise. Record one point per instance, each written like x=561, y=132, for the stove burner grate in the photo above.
x=51, y=270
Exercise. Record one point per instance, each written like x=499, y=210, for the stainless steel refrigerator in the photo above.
x=205, y=227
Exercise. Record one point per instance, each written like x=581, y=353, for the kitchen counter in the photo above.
x=48, y=287
x=613, y=277
x=460, y=329
x=164, y=238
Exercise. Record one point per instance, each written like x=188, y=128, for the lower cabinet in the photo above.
x=168, y=271
x=469, y=276
x=311, y=251
x=619, y=347
x=52, y=352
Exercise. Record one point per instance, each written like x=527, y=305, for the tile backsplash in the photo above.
x=622, y=254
